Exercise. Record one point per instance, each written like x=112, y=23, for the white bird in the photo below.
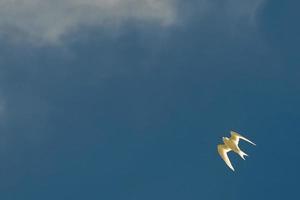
x=231, y=144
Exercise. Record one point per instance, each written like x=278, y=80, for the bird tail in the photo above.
x=242, y=154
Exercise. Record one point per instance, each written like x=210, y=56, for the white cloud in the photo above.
x=49, y=20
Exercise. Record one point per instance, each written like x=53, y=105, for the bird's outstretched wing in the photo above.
x=223, y=150
x=235, y=137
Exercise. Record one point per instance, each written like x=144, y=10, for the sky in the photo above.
x=111, y=99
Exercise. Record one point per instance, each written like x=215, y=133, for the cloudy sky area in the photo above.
x=127, y=99
x=51, y=21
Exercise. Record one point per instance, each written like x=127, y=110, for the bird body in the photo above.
x=231, y=144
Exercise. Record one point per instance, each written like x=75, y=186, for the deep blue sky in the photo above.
x=139, y=116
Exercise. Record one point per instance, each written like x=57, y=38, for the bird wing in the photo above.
x=223, y=150
x=235, y=137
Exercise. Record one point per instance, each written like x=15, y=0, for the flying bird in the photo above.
x=232, y=144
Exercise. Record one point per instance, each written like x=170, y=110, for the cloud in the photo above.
x=49, y=21
x=244, y=10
